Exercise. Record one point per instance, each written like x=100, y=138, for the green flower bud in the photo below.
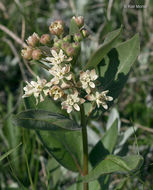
x=78, y=37
x=58, y=43
x=79, y=20
x=57, y=27
x=33, y=40
x=56, y=49
x=70, y=51
x=76, y=45
x=36, y=54
x=65, y=45
x=85, y=33
x=67, y=38
x=45, y=39
x=27, y=53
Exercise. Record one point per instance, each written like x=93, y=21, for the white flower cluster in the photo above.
x=63, y=85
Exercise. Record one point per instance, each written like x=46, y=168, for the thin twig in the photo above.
x=100, y=5
x=17, y=56
x=145, y=11
x=12, y=35
x=29, y=69
x=22, y=37
x=44, y=170
x=140, y=21
x=109, y=9
x=3, y=8
x=144, y=128
x=23, y=29
x=138, y=125
x=72, y=6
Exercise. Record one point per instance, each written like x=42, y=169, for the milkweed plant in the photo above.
x=61, y=107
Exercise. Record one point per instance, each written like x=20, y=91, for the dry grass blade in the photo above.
x=12, y=35
x=17, y=56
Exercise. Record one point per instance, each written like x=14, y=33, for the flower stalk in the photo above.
x=85, y=145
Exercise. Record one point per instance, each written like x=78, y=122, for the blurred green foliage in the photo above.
x=30, y=166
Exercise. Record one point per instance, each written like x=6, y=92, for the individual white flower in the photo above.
x=56, y=92
x=57, y=58
x=87, y=78
x=35, y=88
x=60, y=74
x=72, y=102
x=100, y=98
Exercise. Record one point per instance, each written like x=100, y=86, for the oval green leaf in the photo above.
x=64, y=145
x=44, y=120
x=105, y=146
x=115, y=164
x=108, y=44
x=114, y=69
x=48, y=105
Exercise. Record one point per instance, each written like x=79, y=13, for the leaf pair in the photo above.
x=65, y=144
x=104, y=162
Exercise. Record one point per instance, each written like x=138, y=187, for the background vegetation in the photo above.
x=30, y=167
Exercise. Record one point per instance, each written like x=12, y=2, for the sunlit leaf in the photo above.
x=112, y=163
x=63, y=140
x=105, y=146
x=100, y=53
x=44, y=120
x=114, y=70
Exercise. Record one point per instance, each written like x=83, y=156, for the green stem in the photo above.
x=85, y=146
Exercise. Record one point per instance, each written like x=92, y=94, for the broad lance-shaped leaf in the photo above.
x=103, y=148
x=108, y=44
x=115, y=164
x=48, y=105
x=44, y=120
x=94, y=185
x=64, y=145
x=114, y=69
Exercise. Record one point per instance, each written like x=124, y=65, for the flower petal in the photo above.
x=90, y=97
x=69, y=77
x=93, y=75
x=109, y=98
x=104, y=105
x=76, y=107
x=82, y=100
x=92, y=85
x=88, y=90
x=54, y=53
x=69, y=109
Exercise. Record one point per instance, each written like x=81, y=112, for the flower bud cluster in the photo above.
x=32, y=51
x=70, y=88
x=56, y=40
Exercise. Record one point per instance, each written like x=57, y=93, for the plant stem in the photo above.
x=85, y=145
